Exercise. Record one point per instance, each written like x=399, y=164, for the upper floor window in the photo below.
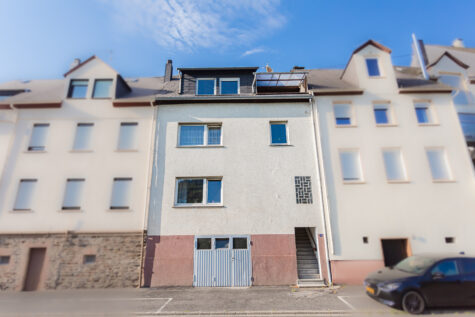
x=201, y=191
x=229, y=86
x=78, y=88
x=102, y=88
x=73, y=194
x=343, y=114
x=394, y=165
x=199, y=134
x=127, y=136
x=373, y=67
x=351, y=165
x=206, y=86
x=439, y=166
x=467, y=121
x=24, y=197
x=38, y=137
x=82, y=141
x=460, y=95
x=424, y=113
x=382, y=114
x=278, y=133
x=121, y=193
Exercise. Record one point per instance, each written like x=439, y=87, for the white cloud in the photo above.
x=189, y=24
x=253, y=51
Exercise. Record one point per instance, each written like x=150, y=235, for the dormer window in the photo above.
x=78, y=88
x=229, y=86
x=373, y=67
x=206, y=86
x=102, y=88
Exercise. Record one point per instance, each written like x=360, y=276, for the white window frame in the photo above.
x=446, y=162
x=111, y=88
x=378, y=60
x=119, y=208
x=197, y=84
x=353, y=123
x=136, y=141
x=72, y=208
x=358, y=152
x=405, y=178
x=204, y=201
x=389, y=112
x=205, y=132
x=33, y=180
x=78, y=124
x=287, y=136
x=32, y=135
x=230, y=79
x=431, y=112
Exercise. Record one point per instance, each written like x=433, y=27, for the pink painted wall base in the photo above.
x=353, y=272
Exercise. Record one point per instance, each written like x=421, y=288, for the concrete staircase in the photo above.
x=307, y=263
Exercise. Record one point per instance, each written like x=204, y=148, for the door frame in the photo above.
x=44, y=268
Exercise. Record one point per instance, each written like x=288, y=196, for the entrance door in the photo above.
x=35, y=267
x=222, y=261
x=394, y=251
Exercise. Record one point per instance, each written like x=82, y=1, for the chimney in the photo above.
x=75, y=63
x=458, y=43
x=168, y=71
x=298, y=68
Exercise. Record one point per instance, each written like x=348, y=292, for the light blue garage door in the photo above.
x=222, y=261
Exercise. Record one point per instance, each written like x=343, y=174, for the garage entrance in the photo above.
x=394, y=251
x=222, y=261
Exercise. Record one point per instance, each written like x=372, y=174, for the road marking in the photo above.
x=346, y=302
x=163, y=306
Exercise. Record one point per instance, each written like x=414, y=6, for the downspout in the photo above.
x=147, y=199
x=10, y=143
x=323, y=202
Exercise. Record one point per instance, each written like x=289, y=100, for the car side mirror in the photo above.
x=437, y=276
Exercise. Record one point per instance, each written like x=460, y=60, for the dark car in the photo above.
x=424, y=281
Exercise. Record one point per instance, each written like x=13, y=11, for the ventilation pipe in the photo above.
x=75, y=63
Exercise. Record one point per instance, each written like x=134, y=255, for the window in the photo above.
x=460, y=94
x=121, y=193
x=192, y=191
x=24, y=197
x=342, y=114
x=278, y=132
x=239, y=243
x=382, y=114
x=467, y=121
x=127, y=136
x=394, y=165
x=38, y=137
x=78, y=88
x=203, y=243
x=423, y=113
x=82, y=141
x=350, y=165
x=373, y=67
x=102, y=88
x=89, y=259
x=4, y=259
x=199, y=134
x=205, y=86
x=229, y=86
x=447, y=268
x=438, y=164
x=222, y=243
x=73, y=194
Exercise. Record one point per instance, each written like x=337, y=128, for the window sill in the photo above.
x=67, y=211
x=428, y=124
x=405, y=181
x=443, y=181
x=21, y=211
x=199, y=146
x=197, y=206
x=383, y=125
x=101, y=98
x=376, y=77
x=132, y=150
x=71, y=98
x=81, y=151
x=283, y=144
x=119, y=209
x=353, y=182
x=346, y=126
x=42, y=151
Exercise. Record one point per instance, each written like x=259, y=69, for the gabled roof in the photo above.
x=453, y=58
x=80, y=65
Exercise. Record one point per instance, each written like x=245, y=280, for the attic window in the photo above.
x=373, y=67
x=205, y=86
x=78, y=88
x=102, y=88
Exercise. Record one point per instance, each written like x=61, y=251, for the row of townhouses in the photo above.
x=233, y=177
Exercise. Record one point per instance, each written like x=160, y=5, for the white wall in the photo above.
x=258, y=179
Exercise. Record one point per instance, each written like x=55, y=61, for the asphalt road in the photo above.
x=181, y=301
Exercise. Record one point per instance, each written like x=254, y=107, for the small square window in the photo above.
x=343, y=114
x=192, y=191
x=373, y=67
x=222, y=243
x=439, y=166
x=25, y=193
x=350, y=165
x=365, y=240
x=38, y=137
x=128, y=136
x=424, y=113
x=203, y=243
x=4, y=259
x=82, y=141
x=78, y=88
x=449, y=240
x=102, y=88
x=73, y=194
x=382, y=114
x=205, y=86
x=239, y=243
x=89, y=258
x=278, y=132
x=229, y=86
x=121, y=193
x=199, y=134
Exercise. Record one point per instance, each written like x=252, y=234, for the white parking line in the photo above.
x=346, y=302
x=163, y=306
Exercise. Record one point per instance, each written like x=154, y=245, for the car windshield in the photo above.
x=415, y=264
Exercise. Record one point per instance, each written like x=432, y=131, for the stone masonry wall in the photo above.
x=117, y=260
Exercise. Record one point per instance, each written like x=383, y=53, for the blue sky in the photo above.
x=41, y=38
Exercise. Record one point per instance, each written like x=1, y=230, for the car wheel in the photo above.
x=413, y=303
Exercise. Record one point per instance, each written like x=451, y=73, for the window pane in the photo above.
x=203, y=243
x=372, y=65
x=448, y=268
x=38, y=137
x=350, y=166
x=239, y=243
x=192, y=135
x=190, y=191
x=381, y=114
x=24, y=196
x=73, y=194
x=102, y=88
x=342, y=114
x=229, y=87
x=127, y=136
x=468, y=125
x=205, y=87
x=394, y=165
x=83, y=136
x=121, y=193
x=214, y=135
x=422, y=115
x=214, y=191
x=222, y=243
x=279, y=133
x=438, y=164
x=78, y=88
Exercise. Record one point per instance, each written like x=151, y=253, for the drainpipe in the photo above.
x=323, y=202
x=10, y=142
x=149, y=183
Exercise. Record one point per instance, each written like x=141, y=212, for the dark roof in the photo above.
x=453, y=58
x=411, y=80
x=253, y=68
x=232, y=99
